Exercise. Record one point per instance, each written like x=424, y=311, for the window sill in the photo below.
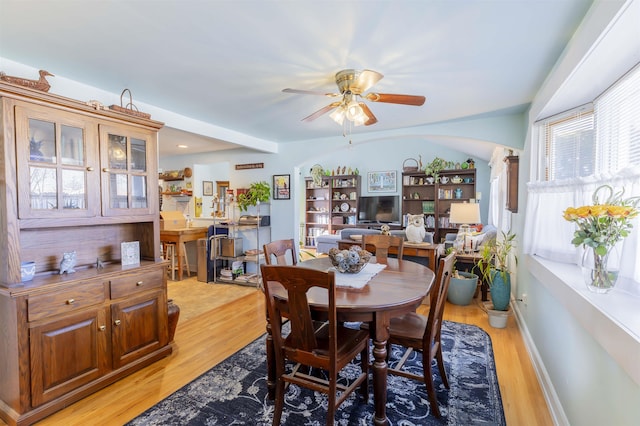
x=612, y=319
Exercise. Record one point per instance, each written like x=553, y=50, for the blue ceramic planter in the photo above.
x=500, y=290
x=461, y=290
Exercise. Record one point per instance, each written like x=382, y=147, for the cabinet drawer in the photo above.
x=131, y=284
x=61, y=302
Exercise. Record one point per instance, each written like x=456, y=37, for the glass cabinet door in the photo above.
x=125, y=160
x=55, y=157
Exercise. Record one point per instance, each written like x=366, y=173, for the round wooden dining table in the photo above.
x=396, y=290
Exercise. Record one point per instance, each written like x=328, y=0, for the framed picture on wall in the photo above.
x=381, y=181
x=281, y=187
x=207, y=187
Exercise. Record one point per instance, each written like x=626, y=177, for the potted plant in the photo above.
x=435, y=167
x=462, y=285
x=258, y=191
x=495, y=265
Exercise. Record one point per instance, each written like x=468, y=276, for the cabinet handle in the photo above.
x=102, y=328
x=89, y=169
x=139, y=283
x=106, y=169
x=117, y=322
x=70, y=301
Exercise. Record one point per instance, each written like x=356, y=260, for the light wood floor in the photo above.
x=217, y=319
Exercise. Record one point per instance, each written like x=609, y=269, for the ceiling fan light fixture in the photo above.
x=360, y=119
x=353, y=85
x=354, y=110
x=338, y=115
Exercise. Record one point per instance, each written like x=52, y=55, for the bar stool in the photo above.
x=185, y=260
x=170, y=253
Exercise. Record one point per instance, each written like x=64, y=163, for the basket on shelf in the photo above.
x=408, y=168
x=129, y=108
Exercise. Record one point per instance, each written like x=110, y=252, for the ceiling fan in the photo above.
x=352, y=85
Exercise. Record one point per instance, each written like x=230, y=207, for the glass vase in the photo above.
x=600, y=271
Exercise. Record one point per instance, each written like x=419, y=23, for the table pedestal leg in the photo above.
x=380, y=382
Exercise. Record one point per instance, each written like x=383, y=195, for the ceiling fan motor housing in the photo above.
x=345, y=80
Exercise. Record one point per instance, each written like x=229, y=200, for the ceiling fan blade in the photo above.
x=372, y=118
x=395, y=99
x=365, y=81
x=321, y=111
x=311, y=92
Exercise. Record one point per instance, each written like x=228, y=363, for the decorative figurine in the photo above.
x=471, y=163
x=415, y=228
x=68, y=262
x=316, y=174
x=385, y=229
x=35, y=150
x=40, y=84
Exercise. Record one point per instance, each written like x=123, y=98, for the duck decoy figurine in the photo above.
x=41, y=84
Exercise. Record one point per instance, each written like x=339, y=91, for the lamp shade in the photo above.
x=465, y=213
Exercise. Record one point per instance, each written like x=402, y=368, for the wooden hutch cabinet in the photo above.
x=75, y=178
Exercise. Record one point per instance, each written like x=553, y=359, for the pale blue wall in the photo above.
x=591, y=388
x=367, y=153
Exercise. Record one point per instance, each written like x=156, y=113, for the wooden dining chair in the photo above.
x=382, y=244
x=278, y=252
x=420, y=333
x=283, y=252
x=325, y=345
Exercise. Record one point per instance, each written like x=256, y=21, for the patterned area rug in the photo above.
x=234, y=392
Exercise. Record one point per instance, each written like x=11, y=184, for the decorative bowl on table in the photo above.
x=27, y=271
x=349, y=261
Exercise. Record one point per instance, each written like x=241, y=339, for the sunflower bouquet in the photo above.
x=600, y=227
x=607, y=221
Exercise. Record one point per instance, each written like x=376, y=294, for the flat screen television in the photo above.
x=379, y=209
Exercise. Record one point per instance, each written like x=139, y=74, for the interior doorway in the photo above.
x=221, y=194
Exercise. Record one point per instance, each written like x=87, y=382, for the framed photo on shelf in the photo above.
x=207, y=187
x=281, y=187
x=130, y=253
x=381, y=181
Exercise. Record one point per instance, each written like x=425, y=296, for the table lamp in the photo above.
x=465, y=214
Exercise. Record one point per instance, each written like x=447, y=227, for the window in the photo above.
x=569, y=145
x=580, y=150
x=597, y=139
x=618, y=124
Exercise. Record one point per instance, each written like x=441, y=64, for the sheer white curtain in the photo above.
x=498, y=215
x=548, y=235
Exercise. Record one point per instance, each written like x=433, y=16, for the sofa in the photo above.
x=327, y=241
x=487, y=234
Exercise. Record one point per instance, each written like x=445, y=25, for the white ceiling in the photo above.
x=226, y=62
